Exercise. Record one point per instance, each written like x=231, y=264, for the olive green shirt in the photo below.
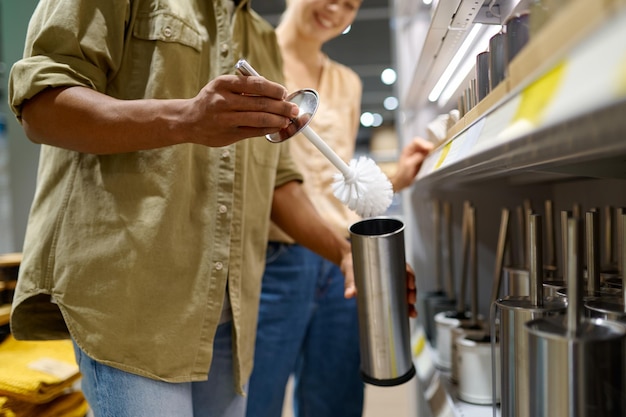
x=132, y=252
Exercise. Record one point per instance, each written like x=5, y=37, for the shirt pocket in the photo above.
x=167, y=27
x=163, y=44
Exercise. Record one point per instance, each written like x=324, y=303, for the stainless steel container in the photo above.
x=518, y=283
x=457, y=334
x=445, y=322
x=380, y=275
x=482, y=75
x=517, y=34
x=515, y=312
x=582, y=375
x=475, y=384
x=577, y=365
x=607, y=308
x=497, y=59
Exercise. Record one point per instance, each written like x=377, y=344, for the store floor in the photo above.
x=379, y=401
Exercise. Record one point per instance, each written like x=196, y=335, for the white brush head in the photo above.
x=369, y=192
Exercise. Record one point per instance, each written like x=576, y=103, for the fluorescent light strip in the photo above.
x=482, y=44
x=447, y=74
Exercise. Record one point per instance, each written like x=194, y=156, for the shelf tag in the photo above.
x=536, y=97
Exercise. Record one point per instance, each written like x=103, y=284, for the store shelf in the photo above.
x=450, y=23
x=557, y=118
x=565, y=122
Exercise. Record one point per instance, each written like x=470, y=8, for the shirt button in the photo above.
x=223, y=209
x=219, y=266
x=224, y=49
x=225, y=154
x=167, y=31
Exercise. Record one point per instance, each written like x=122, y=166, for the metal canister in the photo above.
x=445, y=322
x=497, y=59
x=515, y=312
x=577, y=365
x=378, y=254
x=577, y=375
x=457, y=334
x=475, y=383
x=607, y=308
x=482, y=75
x=517, y=34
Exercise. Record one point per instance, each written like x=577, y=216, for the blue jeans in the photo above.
x=306, y=327
x=111, y=392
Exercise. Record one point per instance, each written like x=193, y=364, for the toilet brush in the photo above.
x=361, y=185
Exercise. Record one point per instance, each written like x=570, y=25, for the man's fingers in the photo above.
x=258, y=86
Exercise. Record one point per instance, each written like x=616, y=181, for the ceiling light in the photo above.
x=377, y=119
x=391, y=103
x=367, y=119
x=388, y=76
x=454, y=63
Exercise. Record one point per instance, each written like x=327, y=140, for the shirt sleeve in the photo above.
x=69, y=45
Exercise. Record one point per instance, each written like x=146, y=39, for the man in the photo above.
x=147, y=233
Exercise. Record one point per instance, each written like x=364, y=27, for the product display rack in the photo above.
x=558, y=123
x=556, y=120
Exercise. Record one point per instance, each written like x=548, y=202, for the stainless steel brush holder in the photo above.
x=380, y=277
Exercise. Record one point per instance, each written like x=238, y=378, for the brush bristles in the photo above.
x=369, y=193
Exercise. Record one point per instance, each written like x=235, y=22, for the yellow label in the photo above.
x=621, y=78
x=536, y=97
x=419, y=346
x=444, y=153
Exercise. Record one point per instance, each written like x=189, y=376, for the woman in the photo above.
x=306, y=325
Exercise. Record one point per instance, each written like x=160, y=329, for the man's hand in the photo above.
x=231, y=108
